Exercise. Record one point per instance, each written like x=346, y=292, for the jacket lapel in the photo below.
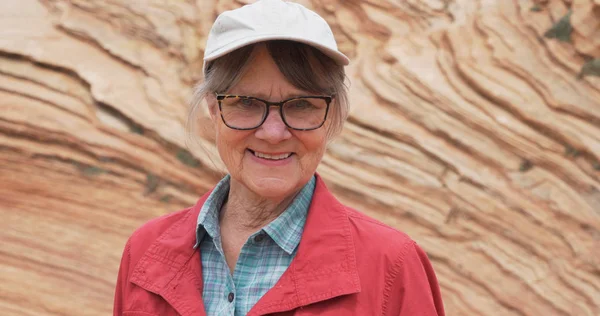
x=325, y=264
x=171, y=267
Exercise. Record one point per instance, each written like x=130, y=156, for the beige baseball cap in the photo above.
x=266, y=20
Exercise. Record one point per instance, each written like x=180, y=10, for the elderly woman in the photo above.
x=270, y=238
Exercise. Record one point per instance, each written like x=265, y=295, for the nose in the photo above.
x=273, y=130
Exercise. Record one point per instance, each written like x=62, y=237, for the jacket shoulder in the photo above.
x=375, y=233
x=146, y=234
x=409, y=285
x=378, y=245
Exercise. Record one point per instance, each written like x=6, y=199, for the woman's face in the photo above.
x=239, y=149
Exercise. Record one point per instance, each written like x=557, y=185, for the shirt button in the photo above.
x=230, y=297
x=259, y=238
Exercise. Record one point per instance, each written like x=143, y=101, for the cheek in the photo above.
x=231, y=144
x=315, y=146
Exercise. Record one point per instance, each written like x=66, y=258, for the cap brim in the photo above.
x=337, y=56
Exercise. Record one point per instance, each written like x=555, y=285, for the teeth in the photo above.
x=272, y=157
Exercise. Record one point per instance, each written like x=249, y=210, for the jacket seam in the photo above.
x=350, y=260
x=343, y=267
x=372, y=221
x=121, y=287
x=393, y=273
x=300, y=304
x=128, y=252
x=140, y=312
x=184, y=305
x=295, y=282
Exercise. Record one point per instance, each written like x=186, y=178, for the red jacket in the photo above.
x=346, y=264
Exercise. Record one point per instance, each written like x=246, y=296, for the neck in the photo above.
x=247, y=211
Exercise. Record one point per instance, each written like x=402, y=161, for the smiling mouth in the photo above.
x=270, y=156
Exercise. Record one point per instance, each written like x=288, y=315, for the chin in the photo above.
x=273, y=186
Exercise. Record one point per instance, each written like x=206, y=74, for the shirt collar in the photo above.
x=208, y=218
x=286, y=230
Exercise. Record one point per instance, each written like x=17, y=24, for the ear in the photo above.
x=213, y=107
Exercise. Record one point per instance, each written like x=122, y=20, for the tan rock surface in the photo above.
x=470, y=130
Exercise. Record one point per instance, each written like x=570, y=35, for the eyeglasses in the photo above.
x=303, y=113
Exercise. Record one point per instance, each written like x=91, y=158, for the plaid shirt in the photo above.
x=263, y=259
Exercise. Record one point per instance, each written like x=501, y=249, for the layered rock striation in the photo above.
x=475, y=128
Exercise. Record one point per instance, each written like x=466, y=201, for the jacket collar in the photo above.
x=324, y=266
x=171, y=267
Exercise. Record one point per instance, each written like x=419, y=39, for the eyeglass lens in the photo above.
x=300, y=113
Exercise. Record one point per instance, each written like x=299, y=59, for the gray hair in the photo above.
x=304, y=66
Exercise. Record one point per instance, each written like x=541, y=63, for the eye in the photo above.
x=248, y=103
x=301, y=104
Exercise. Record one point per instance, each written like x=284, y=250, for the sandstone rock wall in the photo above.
x=475, y=128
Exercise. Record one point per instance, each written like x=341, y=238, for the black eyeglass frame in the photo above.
x=221, y=97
